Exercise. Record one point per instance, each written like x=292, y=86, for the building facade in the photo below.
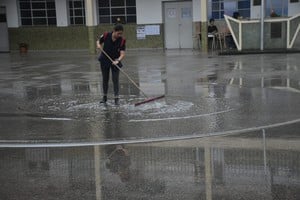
x=43, y=23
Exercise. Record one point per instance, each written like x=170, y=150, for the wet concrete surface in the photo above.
x=53, y=97
x=255, y=166
x=230, y=126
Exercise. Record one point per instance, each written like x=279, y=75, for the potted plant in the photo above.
x=23, y=47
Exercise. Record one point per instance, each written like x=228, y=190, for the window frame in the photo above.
x=220, y=4
x=109, y=17
x=256, y=2
x=281, y=11
x=33, y=18
x=72, y=13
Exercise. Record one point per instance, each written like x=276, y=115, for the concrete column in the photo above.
x=91, y=23
x=204, y=26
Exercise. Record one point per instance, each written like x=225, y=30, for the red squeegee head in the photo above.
x=149, y=100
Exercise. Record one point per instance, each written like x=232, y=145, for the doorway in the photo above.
x=4, y=42
x=178, y=25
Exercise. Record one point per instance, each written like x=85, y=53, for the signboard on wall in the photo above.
x=143, y=30
x=152, y=30
x=140, y=32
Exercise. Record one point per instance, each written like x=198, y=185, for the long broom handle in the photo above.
x=124, y=73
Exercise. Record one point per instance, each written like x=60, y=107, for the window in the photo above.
x=77, y=12
x=244, y=8
x=37, y=12
x=256, y=2
x=228, y=7
x=2, y=18
x=280, y=7
x=111, y=10
x=294, y=1
x=2, y=14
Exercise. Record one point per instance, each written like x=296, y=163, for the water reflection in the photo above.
x=117, y=156
x=164, y=171
x=118, y=161
x=278, y=73
x=281, y=75
x=34, y=92
x=156, y=73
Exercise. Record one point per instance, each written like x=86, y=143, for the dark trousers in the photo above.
x=105, y=78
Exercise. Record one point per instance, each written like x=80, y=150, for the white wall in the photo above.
x=196, y=10
x=254, y=11
x=11, y=12
x=61, y=13
x=293, y=9
x=151, y=11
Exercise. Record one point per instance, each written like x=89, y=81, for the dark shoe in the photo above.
x=116, y=101
x=104, y=100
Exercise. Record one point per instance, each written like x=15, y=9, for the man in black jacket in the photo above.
x=212, y=28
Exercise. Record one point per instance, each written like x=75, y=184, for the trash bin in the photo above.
x=23, y=47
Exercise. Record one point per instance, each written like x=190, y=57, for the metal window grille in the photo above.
x=77, y=12
x=111, y=10
x=37, y=12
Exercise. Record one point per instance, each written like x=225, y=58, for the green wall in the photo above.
x=49, y=38
x=74, y=37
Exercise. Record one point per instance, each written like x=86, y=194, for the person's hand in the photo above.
x=99, y=46
x=115, y=62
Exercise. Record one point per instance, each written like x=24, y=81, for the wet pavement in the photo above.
x=227, y=129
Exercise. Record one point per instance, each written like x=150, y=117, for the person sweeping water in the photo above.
x=114, y=45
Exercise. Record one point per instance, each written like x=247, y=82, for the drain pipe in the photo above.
x=262, y=16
